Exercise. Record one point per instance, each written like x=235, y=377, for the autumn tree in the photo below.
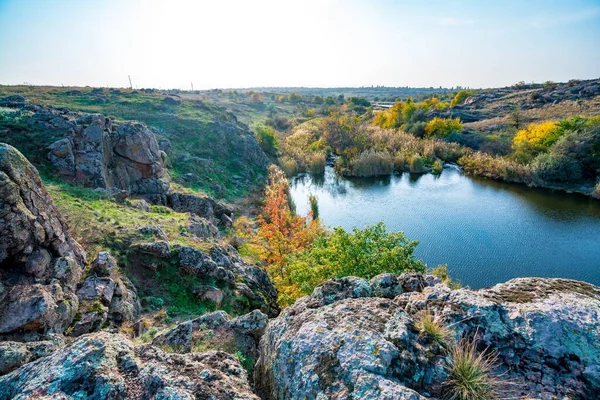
x=282, y=233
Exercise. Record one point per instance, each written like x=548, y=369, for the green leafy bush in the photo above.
x=363, y=252
x=267, y=138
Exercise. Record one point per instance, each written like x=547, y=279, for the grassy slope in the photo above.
x=201, y=155
x=101, y=223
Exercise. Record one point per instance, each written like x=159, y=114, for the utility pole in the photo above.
x=130, y=85
x=192, y=83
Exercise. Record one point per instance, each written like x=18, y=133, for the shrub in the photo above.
x=417, y=165
x=443, y=127
x=583, y=146
x=495, y=167
x=556, y=168
x=288, y=165
x=537, y=134
x=372, y=163
x=460, y=97
x=316, y=163
x=363, y=252
x=433, y=327
x=314, y=206
x=267, y=138
x=471, y=374
x=437, y=167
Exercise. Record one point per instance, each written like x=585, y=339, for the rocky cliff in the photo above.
x=363, y=340
x=40, y=264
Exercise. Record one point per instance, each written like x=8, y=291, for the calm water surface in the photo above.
x=486, y=231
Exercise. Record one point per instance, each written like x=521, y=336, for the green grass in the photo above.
x=201, y=157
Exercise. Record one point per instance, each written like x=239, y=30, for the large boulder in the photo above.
x=199, y=205
x=98, y=153
x=40, y=264
x=109, y=366
x=356, y=344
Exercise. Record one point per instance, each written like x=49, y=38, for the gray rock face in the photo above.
x=40, y=264
x=202, y=206
x=109, y=366
x=15, y=354
x=98, y=153
x=202, y=228
x=357, y=344
x=106, y=299
x=222, y=266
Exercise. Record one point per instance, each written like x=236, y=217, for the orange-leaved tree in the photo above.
x=282, y=233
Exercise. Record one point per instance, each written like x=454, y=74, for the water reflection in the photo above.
x=486, y=231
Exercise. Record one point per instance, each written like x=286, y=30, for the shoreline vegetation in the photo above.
x=558, y=154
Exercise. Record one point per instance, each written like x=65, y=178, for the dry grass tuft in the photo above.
x=433, y=327
x=471, y=374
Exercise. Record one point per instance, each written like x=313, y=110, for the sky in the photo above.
x=312, y=43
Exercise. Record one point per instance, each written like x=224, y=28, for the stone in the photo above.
x=106, y=298
x=211, y=320
x=164, y=144
x=209, y=293
x=109, y=366
x=160, y=248
x=13, y=101
x=339, y=289
x=100, y=154
x=253, y=323
x=172, y=100
x=15, y=354
x=386, y=285
x=177, y=338
x=104, y=264
x=346, y=342
x=202, y=206
x=40, y=263
x=202, y=228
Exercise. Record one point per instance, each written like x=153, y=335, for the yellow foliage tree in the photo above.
x=460, y=97
x=535, y=134
x=443, y=126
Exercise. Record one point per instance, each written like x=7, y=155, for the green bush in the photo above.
x=417, y=165
x=363, y=252
x=556, y=168
x=267, y=138
x=437, y=167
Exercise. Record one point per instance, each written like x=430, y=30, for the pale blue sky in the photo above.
x=167, y=44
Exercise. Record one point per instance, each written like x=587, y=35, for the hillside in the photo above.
x=130, y=268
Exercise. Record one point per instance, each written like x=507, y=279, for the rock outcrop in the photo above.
x=216, y=331
x=234, y=282
x=350, y=339
x=109, y=366
x=40, y=264
x=99, y=153
x=201, y=206
x=96, y=152
x=106, y=298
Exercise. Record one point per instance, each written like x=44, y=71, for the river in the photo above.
x=485, y=231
